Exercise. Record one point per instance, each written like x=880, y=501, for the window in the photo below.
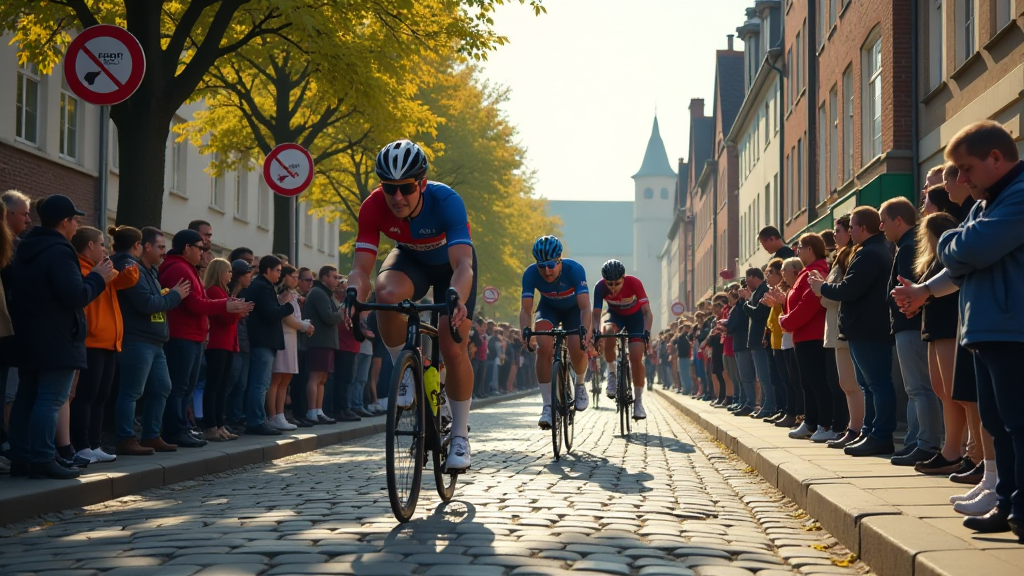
x=776, y=194
x=307, y=225
x=822, y=154
x=768, y=202
x=799, y=174
x=321, y=235
x=242, y=191
x=263, y=205
x=848, y=123
x=965, y=30
x=115, y=148
x=936, y=53
x=664, y=193
x=872, y=114
x=832, y=12
x=332, y=240
x=833, y=139
x=27, y=108
x=799, y=66
x=767, y=122
x=1004, y=14
x=68, y=124
x=216, y=185
x=179, y=156
x=789, y=186
x=648, y=193
x=792, y=80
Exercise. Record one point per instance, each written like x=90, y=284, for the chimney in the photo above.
x=730, y=37
x=696, y=108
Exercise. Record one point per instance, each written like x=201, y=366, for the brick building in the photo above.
x=798, y=97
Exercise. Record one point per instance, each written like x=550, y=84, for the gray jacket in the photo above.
x=325, y=316
x=143, y=306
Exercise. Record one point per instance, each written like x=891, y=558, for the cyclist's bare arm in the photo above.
x=525, y=315
x=586, y=314
x=359, y=278
x=461, y=258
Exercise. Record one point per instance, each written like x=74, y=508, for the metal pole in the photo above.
x=104, y=176
x=293, y=232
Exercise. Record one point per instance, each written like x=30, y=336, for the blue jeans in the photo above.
x=360, y=374
x=492, y=376
x=261, y=364
x=239, y=381
x=922, y=401
x=745, y=367
x=873, y=363
x=759, y=356
x=144, y=373
x=778, y=383
x=183, y=360
x=41, y=393
x=684, y=376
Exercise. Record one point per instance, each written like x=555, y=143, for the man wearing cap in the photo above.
x=48, y=297
x=188, y=327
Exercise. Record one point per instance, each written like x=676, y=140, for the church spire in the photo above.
x=655, y=159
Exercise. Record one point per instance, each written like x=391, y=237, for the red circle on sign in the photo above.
x=677, y=308
x=93, y=60
x=288, y=169
x=491, y=294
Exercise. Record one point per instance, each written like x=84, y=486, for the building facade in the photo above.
x=588, y=239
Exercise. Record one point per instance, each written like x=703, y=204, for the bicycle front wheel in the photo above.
x=624, y=395
x=445, y=481
x=569, y=406
x=556, y=408
x=404, y=439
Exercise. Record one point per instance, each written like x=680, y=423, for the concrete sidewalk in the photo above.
x=897, y=521
x=22, y=498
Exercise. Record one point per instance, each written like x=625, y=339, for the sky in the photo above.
x=586, y=78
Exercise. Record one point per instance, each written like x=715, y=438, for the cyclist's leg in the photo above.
x=545, y=355
x=401, y=278
x=578, y=357
x=610, y=353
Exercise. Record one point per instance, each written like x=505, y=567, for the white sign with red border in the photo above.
x=491, y=294
x=288, y=169
x=677, y=308
x=104, y=65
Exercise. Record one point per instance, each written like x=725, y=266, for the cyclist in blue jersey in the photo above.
x=428, y=222
x=565, y=300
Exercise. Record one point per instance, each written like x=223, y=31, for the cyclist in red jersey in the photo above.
x=628, y=308
x=428, y=222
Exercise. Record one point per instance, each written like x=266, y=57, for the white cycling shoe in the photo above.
x=545, y=419
x=458, y=454
x=582, y=399
x=406, y=394
x=638, y=410
x=610, y=388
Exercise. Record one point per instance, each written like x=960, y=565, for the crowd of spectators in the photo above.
x=817, y=339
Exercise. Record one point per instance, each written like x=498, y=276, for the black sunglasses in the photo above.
x=406, y=189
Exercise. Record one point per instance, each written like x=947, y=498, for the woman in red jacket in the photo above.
x=220, y=350
x=805, y=318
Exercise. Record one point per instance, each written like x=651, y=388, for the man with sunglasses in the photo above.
x=628, y=308
x=434, y=251
x=565, y=300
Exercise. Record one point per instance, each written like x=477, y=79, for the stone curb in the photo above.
x=21, y=498
x=890, y=542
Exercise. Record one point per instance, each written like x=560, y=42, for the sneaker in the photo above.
x=102, y=456
x=87, y=455
x=823, y=435
x=971, y=494
x=545, y=418
x=610, y=388
x=638, y=410
x=802, y=432
x=279, y=423
x=982, y=504
x=458, y=454
x=406, y=394
x=582, y=400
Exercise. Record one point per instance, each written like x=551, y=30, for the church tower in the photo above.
x=653, y=209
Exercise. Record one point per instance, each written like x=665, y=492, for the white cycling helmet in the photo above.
x=401, y=160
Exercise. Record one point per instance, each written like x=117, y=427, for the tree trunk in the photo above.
x=282, y=227
x=142, y=141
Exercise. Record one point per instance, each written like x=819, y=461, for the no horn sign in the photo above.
x=491, y=294
x=104, y=65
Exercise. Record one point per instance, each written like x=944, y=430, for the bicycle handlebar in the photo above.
x=582, y=332
x=406, y=307
x=645, y=336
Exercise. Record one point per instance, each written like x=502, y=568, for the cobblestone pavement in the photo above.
x=668, y=502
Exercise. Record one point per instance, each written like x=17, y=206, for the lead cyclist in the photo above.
x=428, y=222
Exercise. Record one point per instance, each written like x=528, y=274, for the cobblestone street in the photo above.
x=668, y=502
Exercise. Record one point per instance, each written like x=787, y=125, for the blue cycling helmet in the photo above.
x=400, y=160
x=547, y=248
x=613, y=270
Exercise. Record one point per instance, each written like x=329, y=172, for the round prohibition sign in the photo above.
x=491, y=294
x=677, y=308
x=288, y=169
x=104, y=65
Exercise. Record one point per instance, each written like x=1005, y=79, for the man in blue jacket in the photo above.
x=47, y=302
x=986, y=257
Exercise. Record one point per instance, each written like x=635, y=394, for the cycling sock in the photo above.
x=460, y=417
x=394, y=350
x=581, y=379
x=545, y=392
x=638, y=392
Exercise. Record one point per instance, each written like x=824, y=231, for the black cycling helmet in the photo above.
x=400, y=160
x=613, y=270
x=547, y=248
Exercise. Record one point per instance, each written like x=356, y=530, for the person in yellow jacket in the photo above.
x=103, y=338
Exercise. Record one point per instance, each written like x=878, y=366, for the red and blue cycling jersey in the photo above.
x=442, y=222
x=562, y=292
x=628, y=301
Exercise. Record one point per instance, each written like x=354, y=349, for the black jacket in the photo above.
x=864, y=293
x=903, y=265
x=143, y=306
x=48, y=296
x=738, y=326
x=758, y=314
x=264, y=323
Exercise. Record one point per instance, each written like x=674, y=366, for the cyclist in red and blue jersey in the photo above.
x=565, y=300
x=428, y=222
x=628, y=308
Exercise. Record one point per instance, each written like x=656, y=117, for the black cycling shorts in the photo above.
x=569, y=318
x=426, y=276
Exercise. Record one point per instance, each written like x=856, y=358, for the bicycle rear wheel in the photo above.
x=628, y=375
x=556, y=408
x=404, y=440
x=569, y=406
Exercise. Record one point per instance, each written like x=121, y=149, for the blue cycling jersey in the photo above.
x=563, y=291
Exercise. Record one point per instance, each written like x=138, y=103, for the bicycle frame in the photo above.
x=624, y=380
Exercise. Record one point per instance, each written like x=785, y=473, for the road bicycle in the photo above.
x=595, y=385
x=412, y=431
x=563, y=386
x=623, y=379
